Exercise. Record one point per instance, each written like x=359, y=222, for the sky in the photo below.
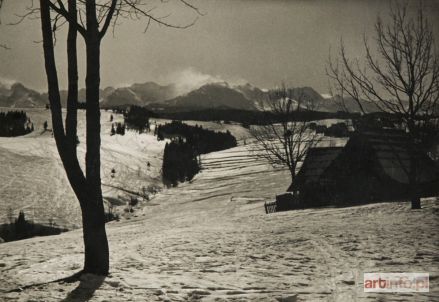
x=260, y=42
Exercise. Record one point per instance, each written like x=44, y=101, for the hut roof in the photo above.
x=391, y=149
x=316, y=162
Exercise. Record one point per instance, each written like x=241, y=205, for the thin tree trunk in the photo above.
x=416, y=201
x=70, y=162
x=412, y=173
x=413, y=183
x=72, y=66
x=293, y=174
x=51, y=73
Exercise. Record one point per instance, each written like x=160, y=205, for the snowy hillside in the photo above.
x=210, y=240
x=33, y=178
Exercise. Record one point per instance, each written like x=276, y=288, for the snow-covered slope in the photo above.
x=210, y=240
x=33, y=178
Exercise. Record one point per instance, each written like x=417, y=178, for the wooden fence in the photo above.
x=270, y=207
x=283, y=202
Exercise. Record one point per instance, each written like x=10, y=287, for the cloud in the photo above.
x=190, y=78
x=5, y=82
x=326, y=95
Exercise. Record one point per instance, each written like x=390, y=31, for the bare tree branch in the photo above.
x=400, y=77
x=63, y=12
x=282, y=138
x=108, y=18
x=403, y=70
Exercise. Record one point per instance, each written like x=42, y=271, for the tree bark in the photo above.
x=413, y=182
x=416, y=202
x=95, y=238
x=72, y=70
x=96, y=252
x=413, y=169
x=51, y=73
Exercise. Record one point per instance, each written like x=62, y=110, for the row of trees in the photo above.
x=117, y=128
x=203, y=140
x=137, y=118
x=247, y=117
x=21, y=228
x=15, y=123
x=179, y=162
x=181, y=156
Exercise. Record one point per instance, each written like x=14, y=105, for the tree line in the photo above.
x=137, y=118
x=21, y=228
x=15, y=123
x=181, y=156
x=117, y=128
x=248, y=117
x=179, y=162
x=203, y=140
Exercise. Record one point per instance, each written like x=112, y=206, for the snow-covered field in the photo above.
x=33, y=179
x=210, y=240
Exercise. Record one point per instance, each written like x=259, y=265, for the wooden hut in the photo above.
x=372, y=166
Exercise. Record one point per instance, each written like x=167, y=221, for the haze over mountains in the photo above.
x=218, y=95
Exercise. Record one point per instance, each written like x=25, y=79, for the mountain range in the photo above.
x=19, y=96
x=220, y=95
x=213, y=95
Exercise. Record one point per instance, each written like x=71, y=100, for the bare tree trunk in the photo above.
x=413, y=185
x=416, y=201
x=65, y=150
x=412, y=171
x=87, y=188
x=95, y=238
x=93, y=214
x=51, y=73
x=72, y=66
